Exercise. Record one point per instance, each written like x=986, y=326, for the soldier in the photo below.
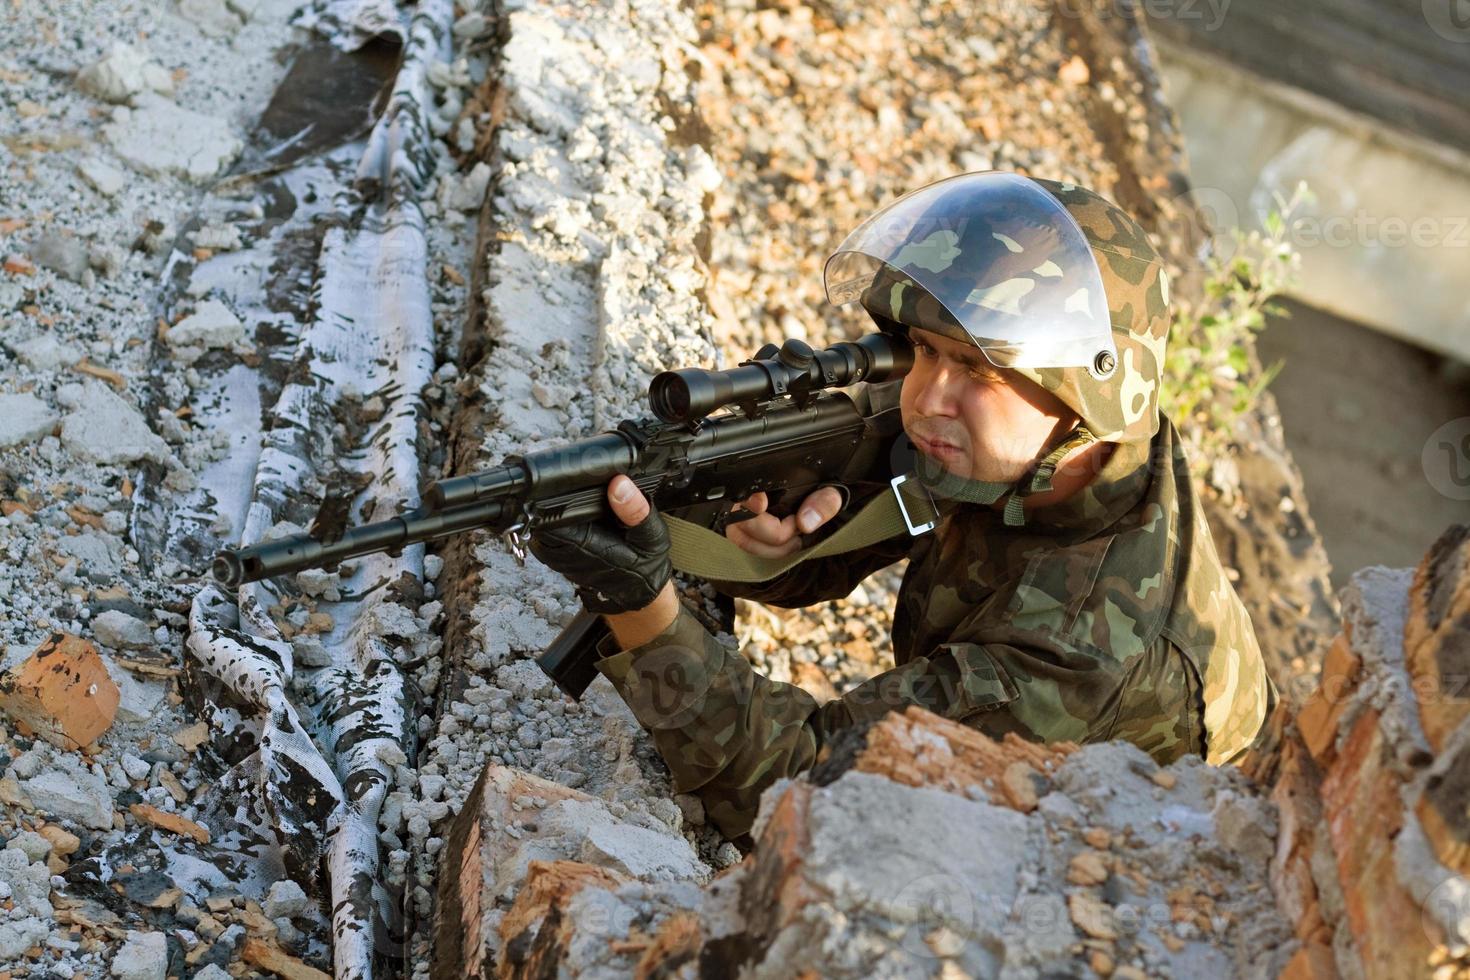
x=1070, y=590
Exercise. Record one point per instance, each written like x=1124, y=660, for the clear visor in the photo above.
x=1001, y=256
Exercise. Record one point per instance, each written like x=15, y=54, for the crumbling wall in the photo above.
x=930, y=850
x=587, y=286
x=1372, y=862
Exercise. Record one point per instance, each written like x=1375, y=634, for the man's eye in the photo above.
x=924, y=349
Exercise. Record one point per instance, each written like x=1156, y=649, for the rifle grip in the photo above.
x=571, y=658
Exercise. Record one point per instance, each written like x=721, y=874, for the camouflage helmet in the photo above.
x=1048, y=279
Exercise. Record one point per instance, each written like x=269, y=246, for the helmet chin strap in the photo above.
x=942, y=483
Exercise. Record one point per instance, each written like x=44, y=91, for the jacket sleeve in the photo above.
x=727, y=732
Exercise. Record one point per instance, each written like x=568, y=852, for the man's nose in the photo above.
x=937, y=392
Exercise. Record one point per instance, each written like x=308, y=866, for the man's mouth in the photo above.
x=937, y=448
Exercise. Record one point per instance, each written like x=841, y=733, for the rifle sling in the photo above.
x=699, y=551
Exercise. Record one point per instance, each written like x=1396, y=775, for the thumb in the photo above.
x=627, y=501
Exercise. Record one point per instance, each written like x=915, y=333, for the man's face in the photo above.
x=981, y=422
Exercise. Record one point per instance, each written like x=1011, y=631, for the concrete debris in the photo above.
x=214, y=18
x=212, y=325
x=143, y=957
x=285, y=900
x=33, y=845
x=123, y=73
x=171, y=822
x=159, y=137
x=271, y=958
x=221, y=237
x=71, y=793
x=473, y=26
x=115, y=628
x=24, y=418
x=839, y=884
x=62, y=693
x=19, y=935
x=46, y=353
x=465, y=193
x=29, y=882
x=64, y=254
x=103, y=428
x=139, y=698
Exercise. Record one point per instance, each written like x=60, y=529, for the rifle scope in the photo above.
x=793, y=368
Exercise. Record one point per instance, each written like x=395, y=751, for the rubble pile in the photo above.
x=1371, y=865
x=926, y=850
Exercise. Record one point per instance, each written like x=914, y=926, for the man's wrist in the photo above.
x=635, y=628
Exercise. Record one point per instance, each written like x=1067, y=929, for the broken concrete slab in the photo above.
x=159, y=137
x=29, y=882
x=24, y=418
x=514, y=819
x=103, y=428
x=19, y=935
x=71, y=794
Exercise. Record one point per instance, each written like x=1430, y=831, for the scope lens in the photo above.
x=669, y=396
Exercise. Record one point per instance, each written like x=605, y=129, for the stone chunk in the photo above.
x=61, y=692
x=103, y=428
x=76, y=795
x=19, y=935
x=213, y=17
x=916, y=747
x=47, y=353
x=285, y=899
x=24, y=418
x=513, y=818
x=143, y=957
x=161, y=138
x=121, y=74
x=271, y=958
x=171, y=822
x=211, y=325
x=550, y=885
x=29, y=882
x=33, y=845
x=138, y=697
x=120, y=631
x=106, y=179
x=63, y=254
x=1318, y=720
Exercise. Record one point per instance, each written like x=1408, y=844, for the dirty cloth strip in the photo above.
x=327, y=737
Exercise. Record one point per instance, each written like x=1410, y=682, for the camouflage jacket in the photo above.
x=1107, y=616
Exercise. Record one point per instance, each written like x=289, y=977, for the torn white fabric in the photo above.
x=349, y=24
x=329, y=736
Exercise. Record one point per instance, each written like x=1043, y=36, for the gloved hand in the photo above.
x=617, y=564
